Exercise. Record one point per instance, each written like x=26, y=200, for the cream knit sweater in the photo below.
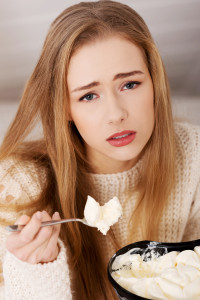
x=51, y=281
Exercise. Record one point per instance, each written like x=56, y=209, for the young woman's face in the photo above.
x=111, y=102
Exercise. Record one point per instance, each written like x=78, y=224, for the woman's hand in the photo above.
x=34, y=244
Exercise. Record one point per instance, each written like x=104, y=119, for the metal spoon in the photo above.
x=14, y=228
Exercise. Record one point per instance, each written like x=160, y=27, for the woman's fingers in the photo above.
x=29, y=232
x=52, y=249
x=13, y=239
x=26, y=235
x=45, y=246
x=34, y=243
x=56, y=227
x=32, y=237
x=23, y=220
x=48, y=250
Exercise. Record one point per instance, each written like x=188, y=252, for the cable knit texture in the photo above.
x=40, y=281
x=179, y=222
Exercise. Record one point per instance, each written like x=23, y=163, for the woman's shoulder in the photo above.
x=187, y=137
x=20, y=181
x=188, y=134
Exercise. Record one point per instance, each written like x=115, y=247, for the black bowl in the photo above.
x=144, y=247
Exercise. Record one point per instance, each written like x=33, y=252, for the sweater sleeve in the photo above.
x=39, y=281
x=21, y=184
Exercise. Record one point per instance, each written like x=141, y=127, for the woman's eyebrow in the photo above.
x=123, y=75
x=117, y=76
x=86, y=87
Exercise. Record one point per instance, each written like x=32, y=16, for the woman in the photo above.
x=101, y=93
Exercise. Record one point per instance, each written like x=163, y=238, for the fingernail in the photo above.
x=56, y=215
x=38, y=215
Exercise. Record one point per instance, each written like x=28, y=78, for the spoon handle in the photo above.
x=14, y=228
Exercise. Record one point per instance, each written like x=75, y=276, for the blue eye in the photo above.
x=130, y=85
x=88, y=97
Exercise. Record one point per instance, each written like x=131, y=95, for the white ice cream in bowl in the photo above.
x=160, y=271
x=146, y=269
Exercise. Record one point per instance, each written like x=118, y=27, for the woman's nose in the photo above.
x=116, y=111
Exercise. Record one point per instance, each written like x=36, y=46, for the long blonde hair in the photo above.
x=61, y=151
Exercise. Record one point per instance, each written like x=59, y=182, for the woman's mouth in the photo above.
x=121, y=139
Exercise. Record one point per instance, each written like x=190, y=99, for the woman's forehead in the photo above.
x=110, y=56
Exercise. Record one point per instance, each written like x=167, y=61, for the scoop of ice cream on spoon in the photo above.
x=104, y=216
x=101, y=217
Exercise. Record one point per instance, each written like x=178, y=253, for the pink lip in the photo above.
x=122, y=138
